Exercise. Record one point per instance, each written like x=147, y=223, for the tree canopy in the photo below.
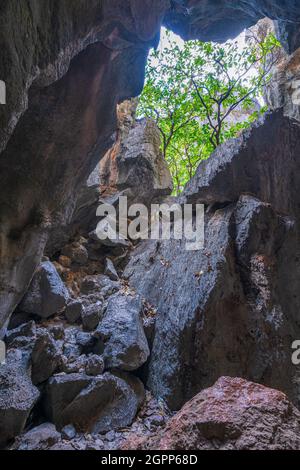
x=200, y=94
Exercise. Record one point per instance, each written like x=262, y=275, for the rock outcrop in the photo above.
x=122, y=332
x=231, y=415
x=231, y=308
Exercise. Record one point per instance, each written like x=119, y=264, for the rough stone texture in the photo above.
x=211, y=20
x=66, y=66
x=47, y=293
x=121, y=330
x=110, y=270
x=231, y=415
x=135, y=166
x=72, y=70
x=91, y=316
x=39, y=438
x=231, y=308
x=17, y=396
x=93, y=404
x=283, y=90
x=74, y=310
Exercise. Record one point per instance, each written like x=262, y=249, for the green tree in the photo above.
x=194, y=92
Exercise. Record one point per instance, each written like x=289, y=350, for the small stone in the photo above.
x=110, y=270
x=94, y=365
x=74, y=311
x=68, y=432
x=65, y=261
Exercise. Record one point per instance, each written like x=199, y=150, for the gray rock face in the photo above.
x=94, y=404
x=121, y=330
x=47, y=293
x=231, y=308
x=17, y=396
x=142, y=172
x=91, y=316
x=218, y=21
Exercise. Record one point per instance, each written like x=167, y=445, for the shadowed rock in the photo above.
x=232, y=415
x=122, y=332
x=93, y=404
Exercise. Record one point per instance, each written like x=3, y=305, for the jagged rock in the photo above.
x=45, y=357
x=85, y=341
x=231, y=312
x=17, y=396
x=232, y=415
x=99, y=284
x=91, y=315
x=93, y=404
x=57, y=331
x=41, y=437
x=121, y=330
x=47, y=293
x=74, y=310
x=73, y=365
x=110, y=270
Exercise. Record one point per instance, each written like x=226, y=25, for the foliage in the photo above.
x=196, y=92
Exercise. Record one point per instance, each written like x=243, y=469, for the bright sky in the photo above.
x=241, y=43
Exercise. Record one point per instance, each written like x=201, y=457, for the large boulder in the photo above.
x=122, y=332
x=94, y=404
x=17, y=396
x=230, y=308
x=231, y=415
x=47, y=293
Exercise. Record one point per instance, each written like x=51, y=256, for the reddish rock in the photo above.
x=232, y=414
